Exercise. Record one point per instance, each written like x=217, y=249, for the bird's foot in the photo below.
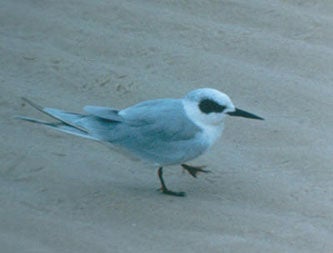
x=194, y=170
x=172, y=193
x=164, y=189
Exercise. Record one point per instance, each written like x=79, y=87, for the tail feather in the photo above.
x=66, y=120
x=33, y=120
x=72, y=130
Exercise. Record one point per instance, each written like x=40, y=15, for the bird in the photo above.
x=163, y=131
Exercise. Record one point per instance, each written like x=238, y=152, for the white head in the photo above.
x=208, y=107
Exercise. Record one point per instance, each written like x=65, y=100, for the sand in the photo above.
x=271, y=189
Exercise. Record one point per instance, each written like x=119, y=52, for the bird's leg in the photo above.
x=193, y=170
x=164, y=189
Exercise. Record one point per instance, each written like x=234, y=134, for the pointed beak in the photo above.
x=245, y=114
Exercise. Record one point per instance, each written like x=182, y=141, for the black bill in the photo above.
x=245, y=114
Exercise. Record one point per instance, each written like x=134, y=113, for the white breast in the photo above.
x=212, y=133
x=211, y=125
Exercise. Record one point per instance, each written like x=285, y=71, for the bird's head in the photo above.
x=208, y=106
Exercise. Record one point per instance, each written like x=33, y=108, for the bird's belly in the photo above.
x=169, y=153
x=180, y=152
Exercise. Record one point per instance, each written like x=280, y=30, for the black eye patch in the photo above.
x=208, y=106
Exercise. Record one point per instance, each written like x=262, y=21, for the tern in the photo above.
x=167, y=131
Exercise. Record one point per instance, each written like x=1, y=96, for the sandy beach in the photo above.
x=271, y=186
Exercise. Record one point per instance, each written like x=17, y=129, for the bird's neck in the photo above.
x=211, y=133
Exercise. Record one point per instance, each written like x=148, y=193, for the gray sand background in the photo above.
x=271, y=189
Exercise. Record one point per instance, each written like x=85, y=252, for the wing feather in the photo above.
x=103, y=112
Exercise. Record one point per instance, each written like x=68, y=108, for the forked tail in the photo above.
x=65, y=120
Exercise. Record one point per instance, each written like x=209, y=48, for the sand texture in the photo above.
x=271, y=189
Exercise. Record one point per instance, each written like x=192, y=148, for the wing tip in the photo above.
x=33, y=104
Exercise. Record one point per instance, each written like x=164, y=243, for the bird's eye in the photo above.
x=208, y=106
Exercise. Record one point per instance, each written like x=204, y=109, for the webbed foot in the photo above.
x=194, y=170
